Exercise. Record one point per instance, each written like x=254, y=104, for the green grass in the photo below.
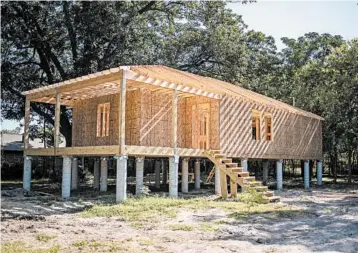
x=20, y=247
x=181, y=227
x=208, y=227
x=43, y=237
x=155, y=209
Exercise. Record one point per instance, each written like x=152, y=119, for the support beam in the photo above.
x=223, y=183
x=306, y=174
x=27, y=174
x=279, y=174
x=27, y=123
x=265, y=172
x=157, y=174
x=244, y=165
x=197, y=174
x=217, y=181
x=104, y=174
x=175, y=122
x=74, y=176
x=139, y=174
x=122, y=115
x=185, y=175
x=319, y=172
x=96, y=174
x=173, y=176
x=57, y=120
x=121, y=180
x=66, y=177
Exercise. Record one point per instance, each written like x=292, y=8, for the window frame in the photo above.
x=268, y=134
x=256, y=123
x=103, y=113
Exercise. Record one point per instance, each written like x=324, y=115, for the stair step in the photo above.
x=255, y=184
x=260, y=188
x=215, y=151
x=226, y=160
x=268, y=194
x=251, y=179
x=235, y=169
x=273, y=198
x=219, y=155
x=243, y=174
x=230, y=165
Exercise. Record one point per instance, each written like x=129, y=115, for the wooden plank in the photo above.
x=57, y=120
x=233, y=188
x=223, y=183
x=73, y=151
x=27, y=123
x=122, y=114
x=175, y=122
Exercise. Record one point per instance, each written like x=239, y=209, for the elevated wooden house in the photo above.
x=156, y=111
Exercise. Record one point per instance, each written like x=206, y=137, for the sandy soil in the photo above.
x=330, y=225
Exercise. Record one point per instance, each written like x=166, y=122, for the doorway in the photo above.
x=200, y=126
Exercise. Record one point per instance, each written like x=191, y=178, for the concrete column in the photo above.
x=319, y=172
x=217, y=181
x=104, y=174
x=139, y=174
x=74, y=176
x=157, y=174
x=185, y=175
x=66, y=177
x=27, y=173
x=279, y=174
x=96, y=174
x=165, y=173
x=197, y=174
x=173, y=176
x=121, y=180
x=244, y=165
x=306, y=174
x=265, y=172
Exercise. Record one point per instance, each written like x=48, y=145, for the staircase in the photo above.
x=237, y=177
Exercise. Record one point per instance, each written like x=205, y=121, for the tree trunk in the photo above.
x=350, y=165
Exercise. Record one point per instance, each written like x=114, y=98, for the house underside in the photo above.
x=155, y=111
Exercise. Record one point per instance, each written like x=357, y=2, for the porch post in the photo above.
x=139, y=166
x=306, y=174
x=66, y=177
x=157, y=174
x=27, y=173
x=74, y=176
x=174, y=161
x=244, y=165
x=57, y=121
x=279, y=174
x=185, y=176
x=265, y=172
x=319, y=172
x=104, y=174
x=121, y=180
x=96, y=174
x=217, y=180
x=197, y=174
x=26, y=123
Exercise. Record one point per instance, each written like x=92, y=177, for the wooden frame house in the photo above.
x=157, y=111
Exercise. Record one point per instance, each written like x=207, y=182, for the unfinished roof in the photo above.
x=155, y=77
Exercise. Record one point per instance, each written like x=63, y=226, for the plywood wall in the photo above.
x=84, y=120
x=294, y=136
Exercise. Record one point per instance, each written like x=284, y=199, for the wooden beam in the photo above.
x=122, y=114
x=175, y=122
x=27, y=123
x=75, y=151
x=57, y=120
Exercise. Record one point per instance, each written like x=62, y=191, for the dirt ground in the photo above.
x=43, y=223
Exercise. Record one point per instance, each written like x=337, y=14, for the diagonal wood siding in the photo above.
x=294, y=136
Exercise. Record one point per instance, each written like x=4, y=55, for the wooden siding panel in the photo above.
x=293, y=136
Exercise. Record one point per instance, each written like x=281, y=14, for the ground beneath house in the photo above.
x=324, y=219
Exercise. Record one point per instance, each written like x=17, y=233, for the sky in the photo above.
x=291, y=19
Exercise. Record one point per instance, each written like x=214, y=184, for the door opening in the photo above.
x=200, y=126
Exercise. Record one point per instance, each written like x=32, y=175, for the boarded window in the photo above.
x=255, y=125
x=268, y=127
x=103, y=120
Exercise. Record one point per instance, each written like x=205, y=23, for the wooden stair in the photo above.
x=237, y=177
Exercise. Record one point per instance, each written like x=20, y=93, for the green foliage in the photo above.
x=251, y=198
x=20, y=247
x=43, y=237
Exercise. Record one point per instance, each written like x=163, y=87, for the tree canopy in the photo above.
x=48, y=42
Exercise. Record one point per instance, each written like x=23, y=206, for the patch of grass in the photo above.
x=208, y=227
x=140, y=211
x=147, y=242
x=181, y=227
x=20, y=247
x=43, y=237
